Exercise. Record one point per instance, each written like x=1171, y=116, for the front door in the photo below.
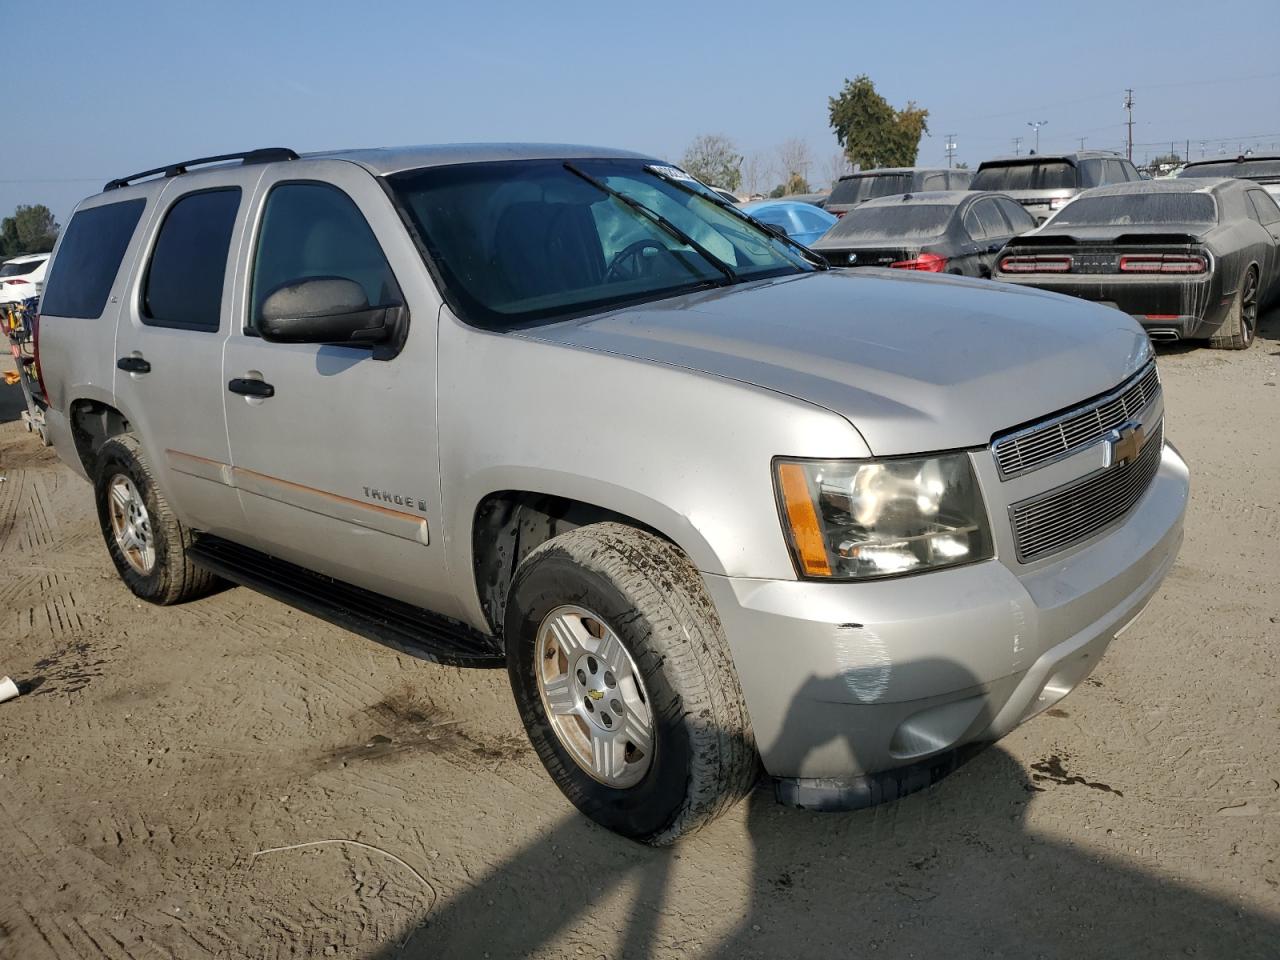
x=337, y=469
x=174, y=319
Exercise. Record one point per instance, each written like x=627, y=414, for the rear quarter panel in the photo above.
x=77, y=355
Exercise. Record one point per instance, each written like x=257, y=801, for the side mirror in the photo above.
x=332, y=310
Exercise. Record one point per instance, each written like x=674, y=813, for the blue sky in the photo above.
x=103, y=89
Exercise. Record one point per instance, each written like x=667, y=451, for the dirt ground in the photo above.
x=157, y=752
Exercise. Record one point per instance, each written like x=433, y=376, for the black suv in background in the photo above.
x=1045, y=183
x=855, y=188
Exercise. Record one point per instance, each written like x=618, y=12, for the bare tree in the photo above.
x=714, y=160
x=836, y=166
x=755, y=173
x=793, y=160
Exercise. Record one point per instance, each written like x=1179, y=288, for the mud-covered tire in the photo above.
x=1238, y=331
x=650, y=595
x=171, y=577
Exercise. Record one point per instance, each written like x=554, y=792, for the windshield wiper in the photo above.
x=805, y=253
x=659, y=219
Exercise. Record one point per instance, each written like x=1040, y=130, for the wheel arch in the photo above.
x=507, y=524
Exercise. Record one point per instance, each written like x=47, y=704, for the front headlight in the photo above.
x=858, y=519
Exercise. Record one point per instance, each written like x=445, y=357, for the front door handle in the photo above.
x=251, y=388
x=133, y=365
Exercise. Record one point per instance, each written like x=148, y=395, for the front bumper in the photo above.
x=845, y=680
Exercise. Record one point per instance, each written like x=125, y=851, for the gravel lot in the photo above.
x=158, y=750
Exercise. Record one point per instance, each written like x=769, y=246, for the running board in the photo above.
x=401, y=626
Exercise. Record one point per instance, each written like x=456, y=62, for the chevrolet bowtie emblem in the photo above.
x=1124, y=444
x=595, y=694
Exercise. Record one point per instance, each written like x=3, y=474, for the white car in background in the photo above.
x=22, y=277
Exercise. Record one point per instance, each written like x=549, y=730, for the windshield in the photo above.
x=857, y=189
x=1131, y=209
x=519, y=242
x=12, y=269
x=915, y=221
x=1034, y=175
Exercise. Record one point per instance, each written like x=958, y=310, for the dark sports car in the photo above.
x=1188, y=258
x=938, y=232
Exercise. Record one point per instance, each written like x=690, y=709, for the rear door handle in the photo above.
x=133, y=365
x=251, y=388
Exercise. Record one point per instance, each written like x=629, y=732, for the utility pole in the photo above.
x=1037, y=124
x=1128, y=105
x=951, y=148
x=1017, y=146
x=1082, y=139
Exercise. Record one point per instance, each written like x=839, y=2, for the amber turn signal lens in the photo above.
x=806, y=534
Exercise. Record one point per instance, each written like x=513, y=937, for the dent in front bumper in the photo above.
x=846, y=679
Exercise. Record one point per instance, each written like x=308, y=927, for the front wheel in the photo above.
x=624, y=682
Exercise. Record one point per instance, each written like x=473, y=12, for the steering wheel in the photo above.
x=630, y=254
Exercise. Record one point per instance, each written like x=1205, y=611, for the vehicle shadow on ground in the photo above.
x=951, y=871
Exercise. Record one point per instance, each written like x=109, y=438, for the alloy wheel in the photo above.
x=131, y=524
x=594, y=696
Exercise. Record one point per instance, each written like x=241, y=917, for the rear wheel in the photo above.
x=624, y=682
x=147, y=542
x=1242, y=323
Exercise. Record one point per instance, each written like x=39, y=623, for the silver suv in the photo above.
x=711, y=503
x=1045, y=183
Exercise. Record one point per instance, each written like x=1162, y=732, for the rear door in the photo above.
x=990, y=232
x=338, y=468
x=1268, y=215
x=174, y=318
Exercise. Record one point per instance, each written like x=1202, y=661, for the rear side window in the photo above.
x=89, y=259
x=1268, y=212
x=184, y=280
x=315, y=230
x=1019, y=220
x=959, y=180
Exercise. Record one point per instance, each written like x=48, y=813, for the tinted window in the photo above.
x=20, y=269
x=1138, y=209
x=1019, y=220
x=958, y=180
x=857, y=189
x=1268, y=212
x=89, y=259
x=184, y=280
x=934, y=181
x=993, y=224
x=898, y=221
x=315, y=230
x=1026, y=175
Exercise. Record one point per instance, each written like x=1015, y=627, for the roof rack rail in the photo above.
x=263, y=155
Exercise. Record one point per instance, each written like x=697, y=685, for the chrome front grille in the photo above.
x=1042, y=443
x=1055, y=520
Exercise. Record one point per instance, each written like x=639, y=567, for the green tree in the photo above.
x=714, y=159
x=961, y=165
x=31, y=229
x=871, y=131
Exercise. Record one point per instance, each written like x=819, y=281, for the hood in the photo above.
x=915, y=363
